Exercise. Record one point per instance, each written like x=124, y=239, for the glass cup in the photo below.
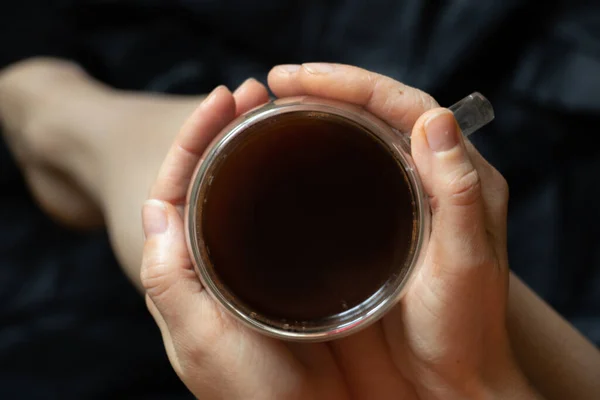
x=306, y=218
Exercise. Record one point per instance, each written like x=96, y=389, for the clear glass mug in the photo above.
x=222, y=224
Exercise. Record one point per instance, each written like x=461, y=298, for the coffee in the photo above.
x=306, y=216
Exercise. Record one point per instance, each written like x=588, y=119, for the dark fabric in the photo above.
x=70, y=325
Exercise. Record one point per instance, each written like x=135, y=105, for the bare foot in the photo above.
x=90, y=153
x=80, y=143
x=33, y=94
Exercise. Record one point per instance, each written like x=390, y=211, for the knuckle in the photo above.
x=374, y=82
x=416, y=102
x=424, y=100
x=452, y=273
x=479, y=260
x=154, y=275
x=465, y=188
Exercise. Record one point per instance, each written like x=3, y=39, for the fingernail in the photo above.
x=154, y=218
x=243, y=85
x=213, y=94
x=318, y=68
x=288, y=68
x=441, y=131
x=210, y=97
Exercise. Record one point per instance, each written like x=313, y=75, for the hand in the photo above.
x=446, y=339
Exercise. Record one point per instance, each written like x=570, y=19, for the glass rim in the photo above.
x=349, y=321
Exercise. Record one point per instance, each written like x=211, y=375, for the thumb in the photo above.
x=452, y=182
x=167, y=272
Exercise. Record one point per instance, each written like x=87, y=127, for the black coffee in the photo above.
x=307, y=217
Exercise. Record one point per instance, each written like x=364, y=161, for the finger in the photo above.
x=459, y=231
x=396, y=103
x=167, y=273
x=370, y=349
x=249, y=95
x=213, y=114
x=458, y=274
x=175, y=298
x=320, y=367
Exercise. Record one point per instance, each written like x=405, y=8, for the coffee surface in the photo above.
x=307, y=217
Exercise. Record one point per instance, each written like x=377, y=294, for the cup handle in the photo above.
x=472, y=113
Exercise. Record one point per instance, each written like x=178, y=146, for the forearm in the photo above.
x=556, y=358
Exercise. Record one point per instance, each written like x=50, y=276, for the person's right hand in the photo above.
x=447, y=337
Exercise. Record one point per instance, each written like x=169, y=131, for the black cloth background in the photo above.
x=71, y=326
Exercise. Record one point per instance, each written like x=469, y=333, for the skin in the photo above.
x=72, y=137
x=446, y=339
